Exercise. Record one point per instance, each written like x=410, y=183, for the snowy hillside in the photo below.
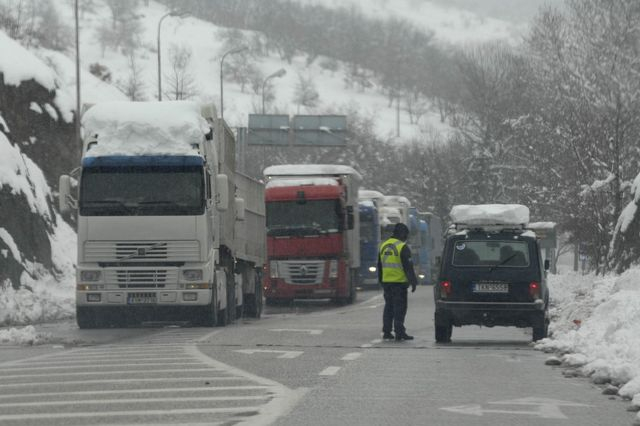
x=205, y=43
x=450, y=25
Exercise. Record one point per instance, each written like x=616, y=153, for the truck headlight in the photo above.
x=273, y=269
x=90, y=276
x=333, y=268
x=372, y=269
x=192, y=274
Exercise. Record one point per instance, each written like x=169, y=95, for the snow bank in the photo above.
x=490, y=214
x=144, y=128
x=23, y=65
x=595, y=325
x=23, y=336
x=22, y=175
x=43, y=296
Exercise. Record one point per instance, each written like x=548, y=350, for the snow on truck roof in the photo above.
x=396, y=200
x=292, y=170
x=311, y=181
x=368, y=194
x=144, y=128
x=490, y=214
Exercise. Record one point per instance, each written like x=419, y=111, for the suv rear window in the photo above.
x=513, y=254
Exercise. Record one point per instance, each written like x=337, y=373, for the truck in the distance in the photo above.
x=369, y=205
x=313, y=243
x=167, y=229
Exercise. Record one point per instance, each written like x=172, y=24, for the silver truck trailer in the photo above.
x=167, y=229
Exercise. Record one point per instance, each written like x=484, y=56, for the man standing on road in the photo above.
x=396, y=274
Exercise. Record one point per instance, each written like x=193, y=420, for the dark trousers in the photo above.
x=395, y=307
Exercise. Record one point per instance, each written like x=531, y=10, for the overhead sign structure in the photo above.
x=320, y=130
x=268, y=129
x=301, y=130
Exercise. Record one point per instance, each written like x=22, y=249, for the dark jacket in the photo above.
x=407, y=266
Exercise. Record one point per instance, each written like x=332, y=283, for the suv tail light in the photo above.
x=445, y=288
x=534, y=290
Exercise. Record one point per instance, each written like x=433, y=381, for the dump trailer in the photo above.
x=167, y=228
x=313, y=227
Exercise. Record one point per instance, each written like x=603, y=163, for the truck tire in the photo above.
x=86, y=318
x=209, y=315
x=253, y=302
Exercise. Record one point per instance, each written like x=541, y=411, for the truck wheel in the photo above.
x=85, y=317
x=222, y=319
x=443, y=333
x=253, y=302
x=209, y=315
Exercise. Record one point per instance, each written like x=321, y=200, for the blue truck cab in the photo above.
x=369, y=243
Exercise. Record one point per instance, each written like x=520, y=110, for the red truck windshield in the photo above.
x=307, y=217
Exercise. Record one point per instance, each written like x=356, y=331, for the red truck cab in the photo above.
x=311, y=229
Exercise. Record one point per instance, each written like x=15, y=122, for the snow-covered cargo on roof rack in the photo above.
x=481, y=215
x=144, y=128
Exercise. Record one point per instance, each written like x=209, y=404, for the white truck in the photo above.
x=167, y=229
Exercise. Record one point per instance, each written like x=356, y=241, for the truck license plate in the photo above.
x=491, y=288
x=141, y=298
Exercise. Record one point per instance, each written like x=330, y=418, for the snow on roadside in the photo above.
x=42, y=296
x=23, y=336
x=596, y=327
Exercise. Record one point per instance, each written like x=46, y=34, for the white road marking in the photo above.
x=352, y=356
x=297, y=330
x=173, y=391
x=133, y=380
x=376, y=341
x=135, y=400
x=283, y=354
x=169, y=412
x=366, y=345
x=105, y=373
x=547, y=408
x=329, y=371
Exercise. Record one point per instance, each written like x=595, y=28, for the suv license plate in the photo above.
x=490, y=288
x=141, y=299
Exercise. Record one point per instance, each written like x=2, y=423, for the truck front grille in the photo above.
x=141, y=278
x=141, y=251
x=302, y=272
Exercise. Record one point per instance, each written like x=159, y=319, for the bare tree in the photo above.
x=305, y=93
x=181, y=82
x=134, y=86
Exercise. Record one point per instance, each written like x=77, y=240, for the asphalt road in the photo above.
x=309, y=363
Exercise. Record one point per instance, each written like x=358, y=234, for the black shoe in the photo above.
x=404, y=336
x=387, y=336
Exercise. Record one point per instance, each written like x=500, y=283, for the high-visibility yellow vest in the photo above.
x=392, y=271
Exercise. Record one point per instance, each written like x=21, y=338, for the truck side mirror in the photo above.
x=350, y=218
x=222, y=192
x=547, y=264
x=64, y=194
x=239, y=209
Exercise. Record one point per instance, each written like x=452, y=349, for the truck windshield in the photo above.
x=492, y=253
x=142, y=191
x=367, y=229
x=309, y=217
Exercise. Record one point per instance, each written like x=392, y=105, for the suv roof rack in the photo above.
x=491, y=227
